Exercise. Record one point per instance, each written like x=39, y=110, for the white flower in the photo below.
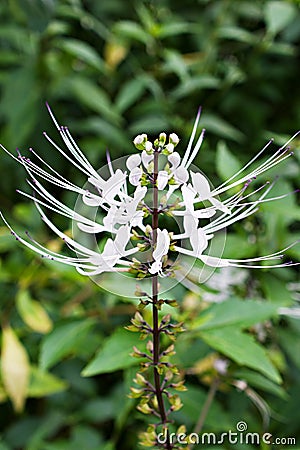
x=122, y=211
x=162, y=249
x=133, y=161
x=170, y=147
x=140, y=140
x=174, y=159
x=111, y=188
x=146, y=159
x=125, y=205
x=148, y=146
x=174, y=139
x=201, y=186
x=162, y=179
x=135, y=176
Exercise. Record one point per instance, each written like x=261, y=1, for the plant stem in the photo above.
x=156, y=332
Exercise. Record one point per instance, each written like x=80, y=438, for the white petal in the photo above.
x=214, y=261
x=97, y=228
x=114, y=184
x=162, y=179
x=219, y=205
x=155, y=267
x=188, y=197
x=174, y=138
x=148, y=146
x=111, y=218
x=204, y=213
x=163, y=244
x=91, y=199
x=170, y=148
x=190, y=224
x=140, y=193
x=146, y=159
x=174, y=159
x=135, y=176
x=139, y=139
x=181, y=175
x=201, y=185
x=133, y=161
x=109, y=254
x=199, y=241
x=122, y=238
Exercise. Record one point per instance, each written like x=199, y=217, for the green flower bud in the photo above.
x=140, y=141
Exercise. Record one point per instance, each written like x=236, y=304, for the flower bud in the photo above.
x=148, y=147
x=162, y=138
x=173, y=139
x=169, y=148
x=140, y=141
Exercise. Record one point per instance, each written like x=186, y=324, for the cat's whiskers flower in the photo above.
x=122, y=197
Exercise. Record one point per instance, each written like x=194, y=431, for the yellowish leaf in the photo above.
x=15, y=368
x=33, y=314
x=114, y=53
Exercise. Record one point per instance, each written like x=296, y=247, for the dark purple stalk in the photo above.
x=156, y=331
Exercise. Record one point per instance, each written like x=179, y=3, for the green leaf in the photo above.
x=94, y=97
x=220, y=127
x=99, y=410
x=290, y=342
x=173, y=29
x=275, y=289
x=63, y=341
x=260, y=382
x=153, y=123
x=3, y=446
x=129, y=93
x=226, y=163
x=236, y=246
x=235, y=312
x=83, y=51
x=132, y=30
x=278, y=14
x=16, y=104
x=32, y=313
x=38, y=13
x=242, y=349
x=195, y=85
x=114, y=354
x=112, y=134
x=43, y=383
x=217, y=419
x=287, y=209
x=85, y=436
x=175, y=63
x=237, y=34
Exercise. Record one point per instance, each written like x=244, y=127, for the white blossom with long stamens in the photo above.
x=122, y=198
x=161, y=250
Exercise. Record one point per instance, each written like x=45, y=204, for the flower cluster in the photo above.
x=181, y=192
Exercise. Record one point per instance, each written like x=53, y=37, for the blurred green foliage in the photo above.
x=111, y=70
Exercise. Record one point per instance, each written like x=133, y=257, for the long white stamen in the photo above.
x=188, y=150
x=71, y=160
x=196, y=149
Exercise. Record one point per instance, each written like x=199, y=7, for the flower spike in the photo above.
x=123, y=199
